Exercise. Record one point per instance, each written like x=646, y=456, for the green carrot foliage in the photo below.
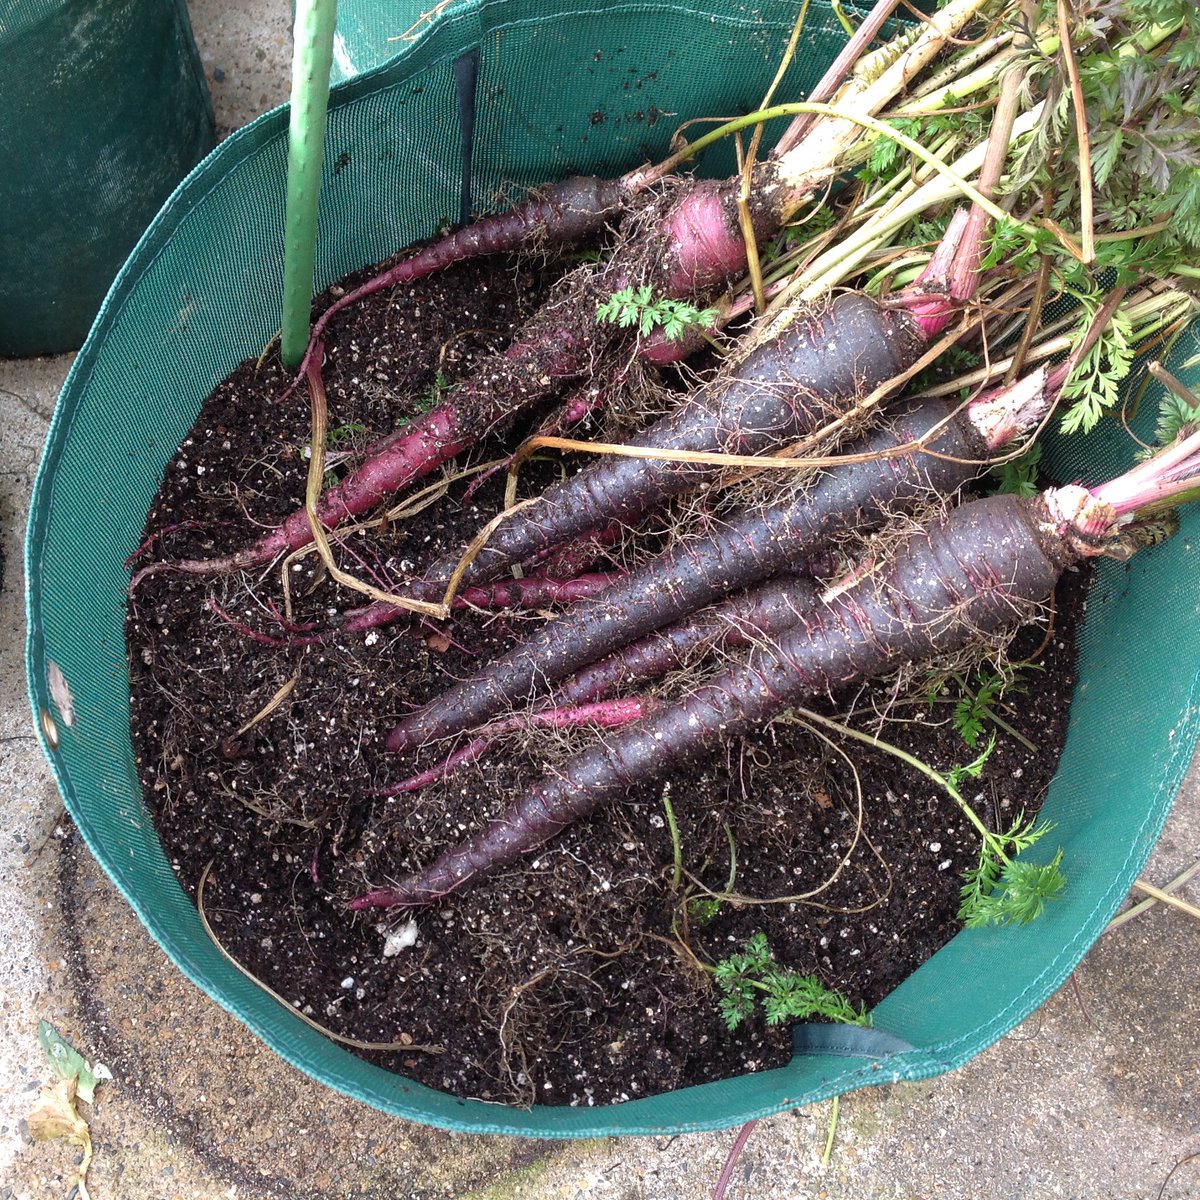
x=1176, y=418
x=703, y=910
x=972, y=770
x=1019, y=476
x=753, y=975
x=1095, y=387
x=1001, y=889
x=638, y=308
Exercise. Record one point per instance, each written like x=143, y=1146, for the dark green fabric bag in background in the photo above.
x=104, y=110
x=562, y=87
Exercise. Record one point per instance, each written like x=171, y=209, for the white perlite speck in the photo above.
x=399, y=938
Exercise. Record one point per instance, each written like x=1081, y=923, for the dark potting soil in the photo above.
x=573, y=977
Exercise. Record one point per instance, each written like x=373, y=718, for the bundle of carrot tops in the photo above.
x=973, y=230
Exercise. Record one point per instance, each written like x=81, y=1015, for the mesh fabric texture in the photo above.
x=105, y=110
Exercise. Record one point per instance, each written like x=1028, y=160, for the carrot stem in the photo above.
x=1086, y=205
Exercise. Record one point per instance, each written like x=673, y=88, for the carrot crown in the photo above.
x=1090, y=518
x=1005, y=413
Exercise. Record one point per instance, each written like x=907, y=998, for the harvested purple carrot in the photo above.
x=983, y=569
x=737, y=622
x=600, y=714
x=533, y=591
x=536, y=591
x=474, y=750
x=782, y=389
x=583, y=555
x=557, y=214
x=805, y=375
x=575, y=408
x=745, y=548
x=685, y=246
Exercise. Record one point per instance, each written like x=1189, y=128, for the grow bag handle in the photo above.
x=846, y=1041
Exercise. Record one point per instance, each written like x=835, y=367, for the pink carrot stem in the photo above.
x=836, y=72
x=1171, y=472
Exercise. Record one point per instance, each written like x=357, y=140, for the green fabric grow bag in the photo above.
x=105, y=109
x=562, y=87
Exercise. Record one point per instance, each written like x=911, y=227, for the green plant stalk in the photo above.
x=886, y=196
x=882, y=129
x=990, y=839
x=1148, y=315
x=834, y=1111
x=1001, y=724
x=831, y=268
x=816, y=158
x=900, y=273
x=908, y=181
x=841, y=260
x=840, y=13
x=676, y=844
x=957, y=73
x=889, y=194
x=311, y=63
x=955, y=91
x=1148, y=39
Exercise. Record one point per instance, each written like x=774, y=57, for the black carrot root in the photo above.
x=748, y=547
x=737, y=622
x=536, y=591
x=584, y=554
x=984, y=568
x=600, y=714
x=555, y=215
x=531, y=592
x=784, y=388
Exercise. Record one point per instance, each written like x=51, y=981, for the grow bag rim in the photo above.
x=925, y=1062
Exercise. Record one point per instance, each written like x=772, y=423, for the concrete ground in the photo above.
x=1096, y=1097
